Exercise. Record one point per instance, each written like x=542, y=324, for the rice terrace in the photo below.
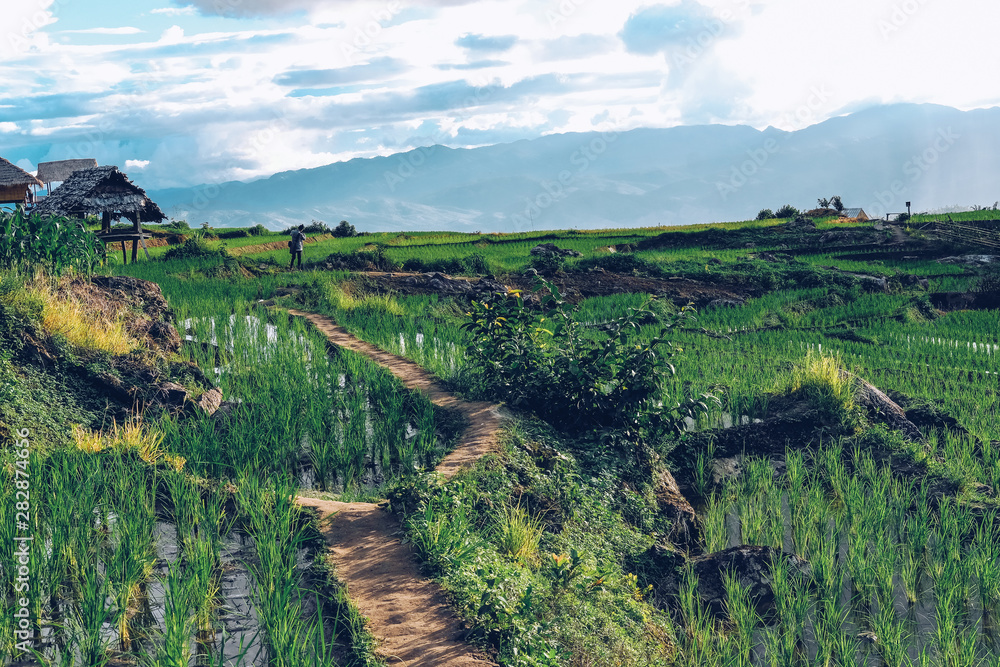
x=768, y=442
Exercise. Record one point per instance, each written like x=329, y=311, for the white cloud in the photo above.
x=136, y=164
x=125, y=30
x=189, y=10
x=355, y=79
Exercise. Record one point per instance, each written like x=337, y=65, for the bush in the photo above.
x=194, y=247
x=237, y=233
x=609, y=385
x=344, y=229
x=548, y=265
x=257, y=230
x=786, y=211
x=179, y=226
x=765, y=214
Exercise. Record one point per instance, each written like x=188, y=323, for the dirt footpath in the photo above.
x=407, y=612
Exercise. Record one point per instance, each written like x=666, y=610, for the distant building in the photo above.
x=15, y=183
x=57, y=172
x=858, y=213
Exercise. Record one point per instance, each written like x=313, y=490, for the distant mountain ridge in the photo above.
x=877, y=159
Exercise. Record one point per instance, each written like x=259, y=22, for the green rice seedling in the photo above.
x=893, y=638
x=909, y=572
x=200, y=566
x=716, y=530
x=273, y=518
x=132, y=552
x=699, y=631
x=92, y=611
x=743, y=617
x=174, y=649
x=703, y=469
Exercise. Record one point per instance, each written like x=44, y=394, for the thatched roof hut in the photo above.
x=101, y=191
x=14, y=183
x=56, y=172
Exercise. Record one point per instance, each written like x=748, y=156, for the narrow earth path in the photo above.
x=407, y=612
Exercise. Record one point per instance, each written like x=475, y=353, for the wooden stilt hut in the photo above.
x=107, y=192
x=15, y=183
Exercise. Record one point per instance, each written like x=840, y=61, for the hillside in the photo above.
x=878, y=159
x=773, y=441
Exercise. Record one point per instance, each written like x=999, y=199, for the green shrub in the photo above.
x=611, y=386
x=344, y=229
x=257, y=230
x=765, y=214
x=196, y=246
x=786, y=211
x=548, y=265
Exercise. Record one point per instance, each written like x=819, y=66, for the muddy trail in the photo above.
x=407, y=612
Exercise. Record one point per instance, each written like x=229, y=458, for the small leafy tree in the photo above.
x=765, y=214
x=607, y=383
x=837, y=203
x=786, y=211
x=344, y=229
x=823, y=202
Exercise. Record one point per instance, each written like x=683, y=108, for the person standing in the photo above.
x=296, y=244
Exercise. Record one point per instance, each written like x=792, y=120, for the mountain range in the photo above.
x=877, y=159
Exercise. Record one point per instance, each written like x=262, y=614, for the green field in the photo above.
x=557, y=549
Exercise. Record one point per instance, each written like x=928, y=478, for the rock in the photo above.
x=171, y=397
x=685, y=531
x=210, y=401
x=127, y=288
x=881, y=406
x=543, y=249
x=800, y=222
x=867, y=637
x=164, y=336
x=752, y=567
x=225, y=415
x=725, y=469
x=873, y=283
x=879, y=227
x=971, y=260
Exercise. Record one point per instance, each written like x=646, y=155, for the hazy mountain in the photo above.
x=878, y=159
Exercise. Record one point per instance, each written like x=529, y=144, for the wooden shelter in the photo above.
x=61, y=170
x=107, y=192
x=858, y=213
x=14, y=183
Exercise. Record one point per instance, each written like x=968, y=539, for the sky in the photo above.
x=184, y=92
